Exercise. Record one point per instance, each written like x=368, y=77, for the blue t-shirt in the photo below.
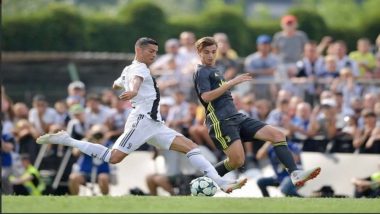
x=278, y=168
x=86, y=163
x=6, y=157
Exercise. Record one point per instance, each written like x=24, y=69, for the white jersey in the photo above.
x=146, y=101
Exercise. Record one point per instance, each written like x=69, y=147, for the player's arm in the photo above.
x=135, y=86
x=214, y=94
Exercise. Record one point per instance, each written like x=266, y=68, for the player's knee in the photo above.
x=103, y=178
x=277, y=136
x=236, y=161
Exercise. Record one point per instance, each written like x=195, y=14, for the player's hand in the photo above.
x=240, y=78
x=127, y=95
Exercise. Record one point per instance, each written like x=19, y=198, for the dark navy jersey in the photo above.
x=207, y=79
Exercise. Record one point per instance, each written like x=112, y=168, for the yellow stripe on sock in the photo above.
x=282, y=143
x=228, y=167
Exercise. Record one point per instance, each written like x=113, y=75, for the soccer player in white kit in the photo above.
x=144, y=123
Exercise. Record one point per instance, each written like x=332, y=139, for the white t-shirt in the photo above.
x=50, y=117
x=146, y=101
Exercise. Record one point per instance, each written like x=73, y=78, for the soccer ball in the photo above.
x=203, y=186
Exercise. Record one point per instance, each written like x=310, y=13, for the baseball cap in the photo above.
x=263, y=39
x=76, y=84
x=287, y=19
x=76, y=109
x=328, y=102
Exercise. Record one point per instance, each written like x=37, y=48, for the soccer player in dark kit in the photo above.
x=227, y=127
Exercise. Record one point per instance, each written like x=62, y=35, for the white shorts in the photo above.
x=141, y=129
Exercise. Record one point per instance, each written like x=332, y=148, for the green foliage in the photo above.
x=311, y=22
x=144, y=19
x=228, y=21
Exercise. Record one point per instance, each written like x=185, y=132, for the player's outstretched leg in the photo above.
x=63, y=138
x=278, y=139
x=193, y=153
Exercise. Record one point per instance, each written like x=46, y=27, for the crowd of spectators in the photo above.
x=320, y=94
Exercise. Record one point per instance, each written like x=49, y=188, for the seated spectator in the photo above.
x=225, y=57
x=21, y=111
x=368, y=187
x=279, y=116
x=90, y=169
x=77, y=89
x=26, y=135
x=62, y=111
x=178, y=112
x=263, y=107
x=330, y=71
x=175, y=181
x=322, y=126
x=108, y=97
x=300, y=123
x=116, y=121
x=281, y=178
x=263, y=65
x=168, y=82
x=95, y=112
x=364, y=138
x=30, y=182
x=364, y=58
x=41, y=116
x=76, y=126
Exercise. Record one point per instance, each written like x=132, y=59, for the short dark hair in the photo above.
x=144, y=41
x=205, y=42
x=39, y=97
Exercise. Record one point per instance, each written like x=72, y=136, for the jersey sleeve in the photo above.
x=140, y=70
x=202, y=81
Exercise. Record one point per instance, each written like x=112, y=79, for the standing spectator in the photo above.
x=171, y=53
x=41, y=115
x=168, y=82
x=330, y=70
x=289, y=42
x=364, y=58
x=62, y=111
x=263, y=65
x=346, y=85
x=309, y=68
x=339, y=49
x=225, y=57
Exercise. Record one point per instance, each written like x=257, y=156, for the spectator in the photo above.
x=165, y=104
x=376, y=70
x=281, y=177
x=26, y=135
x=225, y=57
x=300, y=123
x=30, y=183
x=77, y=89
x=175, y=180
x=339, y=49
x=263, y=65
x=95, y=112
x=21, y=111
x=346, y=85
x=159, y=67
x=368, y=187
x=41, y=115
x=116, y=121
x=76, y=126
x=89, y=169
x=364, y=58
x=364, y=137
x=309, y=68
x=289, y=42
x=178, y=112
x=108, y=98
x=7, y=147
x=62, y=111
x=263, y=107
x=330, y=70
x=168, y=82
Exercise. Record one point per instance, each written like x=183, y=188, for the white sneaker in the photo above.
x=57, y=138
x=300, y=177
x=231, y=186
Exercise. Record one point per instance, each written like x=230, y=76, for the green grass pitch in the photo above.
x=178, y=204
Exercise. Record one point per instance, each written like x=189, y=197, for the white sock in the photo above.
x=95, y=150
x=202, y=164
